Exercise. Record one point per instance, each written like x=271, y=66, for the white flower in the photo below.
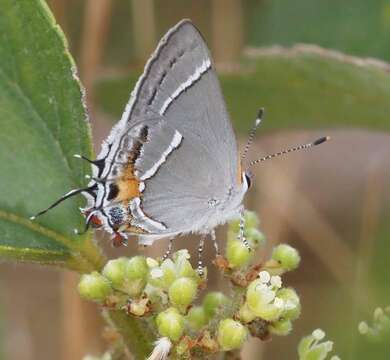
x=276, y=281
x=289, y=305
x=363, y=328
x=156, y=273
x=151, y=262
x=264, y=276
x=161, y=350
x=318, y=334
x=378, y=313
x=279, y=303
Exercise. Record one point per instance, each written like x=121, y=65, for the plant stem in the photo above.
x=137, y=334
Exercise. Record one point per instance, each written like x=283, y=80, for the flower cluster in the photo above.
x=165, y=293
x=380, y=327
x=313, y=347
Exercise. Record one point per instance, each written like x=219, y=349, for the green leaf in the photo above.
x=299, y=89
x=43, y=123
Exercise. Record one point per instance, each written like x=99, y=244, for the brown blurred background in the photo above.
x=331, y=203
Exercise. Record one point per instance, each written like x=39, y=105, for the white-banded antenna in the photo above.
x=260, y=116
x=293, y=149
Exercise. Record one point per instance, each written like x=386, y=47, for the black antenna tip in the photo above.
x=260, y=113
x=321, y=140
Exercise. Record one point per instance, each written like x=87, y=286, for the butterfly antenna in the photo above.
x=64, y=197
x=98, y=163
x=296, y=148
x=260, y=115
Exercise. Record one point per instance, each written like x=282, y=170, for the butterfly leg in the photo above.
x=118, y=240
x=169, y=250
x=200, y=255
x=241, y=234
x=215, y=242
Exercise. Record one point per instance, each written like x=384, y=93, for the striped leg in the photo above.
x=169, y=250
x=200, y=255
x=241, y=234
x=215, y=242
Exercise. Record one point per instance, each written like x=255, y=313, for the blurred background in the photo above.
x=319, y=68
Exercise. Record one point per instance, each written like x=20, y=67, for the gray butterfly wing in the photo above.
x=189, y=162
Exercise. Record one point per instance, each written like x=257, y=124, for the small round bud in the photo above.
x=114, y=271
x=168, y=273
x=213, y=301
x=251, y=220
x=238, y=254
x=196, y=318
x=234, y=227
x=170, y=323
x=184, y=267
x=363, y=328
x=379, y=314
x=286, y=256
x=280, y=327
x=246, y=314
x=151, y=262
x=182, y=292
x=292, y=307
x=231, y=334
x=255, y=237
x=94, y=287
x=136, y=275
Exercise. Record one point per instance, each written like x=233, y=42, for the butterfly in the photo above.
x=171, y=165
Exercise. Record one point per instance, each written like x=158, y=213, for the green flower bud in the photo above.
x=185, y=269
x=114, y=271
x=231, y=334
x=234, y=227
x=262, y=301
x=286, y=256
x=292, y=308
x=246, y=314
x=151, y=262
x=168, y=274
x=213, y=301
x=251, y=220
x=182, y=292
x=136, y=272
x=281, y=327
x=94, y=287
x=238, y=254
x=170, y=323
x=196, y=318
x=255, y=237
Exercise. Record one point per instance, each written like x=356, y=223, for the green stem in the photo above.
x=136, y=332
x=92, y=253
